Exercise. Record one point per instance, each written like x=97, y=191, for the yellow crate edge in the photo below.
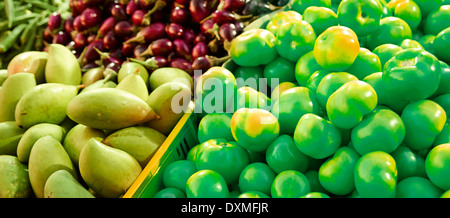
x=155, y=161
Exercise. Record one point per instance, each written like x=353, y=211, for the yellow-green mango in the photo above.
x=44, y=103
x=47, y=156
x=134, y=84
x=14, y=87
x=103, y=83
x=3, y=76
x=10, y=135
x=170, y=74
x=14, y=180
x=77, y=138
x=109, y=109
x=62, y=66
x=170, y=101
x=92, y=75
x=33, y=134
x=139, y=141
x=106, y=170
x=61, y=184
x=33, y=62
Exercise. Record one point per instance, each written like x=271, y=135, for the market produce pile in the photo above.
x=359, y=109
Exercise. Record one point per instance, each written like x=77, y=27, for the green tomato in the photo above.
x=392, y=101
x=213, y=126
x=443, y=88
x=250, y=76
x=253, y=48
x=423, y=121
x=417, y=187
x=437, y=166
x=446, y=194
x=290, y=184
x=427, y=43
x=253, y=194
x=281, y=18
x=226, y=158
x=177, y=173
x=316, y=137
x=248, y=97
x=276, y=92
x=386, y=52
x=336, y=175
x=376, y=175
x=441, y=44
x=305, y=67
x=427, y=6
x=365, y=64
x=313, y=178
x=256, y=177
x=408, y=11
x=301, y=5
x=254, y=128
x=291, y=105
x=347, y=106
x=408, y=163
x=315, y=195
x=411, y=43
x=437, y=20
x=413, y=74
x=192, y=153
x=329, y=84
x=278, y=71
x=170, y=193
x=320, y=18
x=443, y=137
x=294, y=39
x=444, y=102
x=380, y=130
x=336, y=48
x=362, y=16
x=213, y=90
x=282, y=154
x=392, y=30
x=206, y=184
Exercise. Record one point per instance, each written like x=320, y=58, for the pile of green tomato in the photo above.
x=359, y=110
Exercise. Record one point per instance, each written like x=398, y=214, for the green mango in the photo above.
x=106, y=170
x=61, y=184
x=9, y=137
x=134, y=84
x=170, y=74
x=47, y=156
x=3, y=76
x=129, y=67
x=62, y=66
x=103, y=83
x=14, y=87
x=14, y=178
x=248, y=97
x=170, y=101
x=139, y=141
x=44, y=103
x=33, y=134
x=109, y=109
x=77, y=138
x=92, y=75
x=33, y=62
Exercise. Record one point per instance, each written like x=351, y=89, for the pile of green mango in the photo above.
x=65, y=133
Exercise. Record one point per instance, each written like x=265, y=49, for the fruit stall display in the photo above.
x=297, y=99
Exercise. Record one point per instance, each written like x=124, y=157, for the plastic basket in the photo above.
x=178, y=143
